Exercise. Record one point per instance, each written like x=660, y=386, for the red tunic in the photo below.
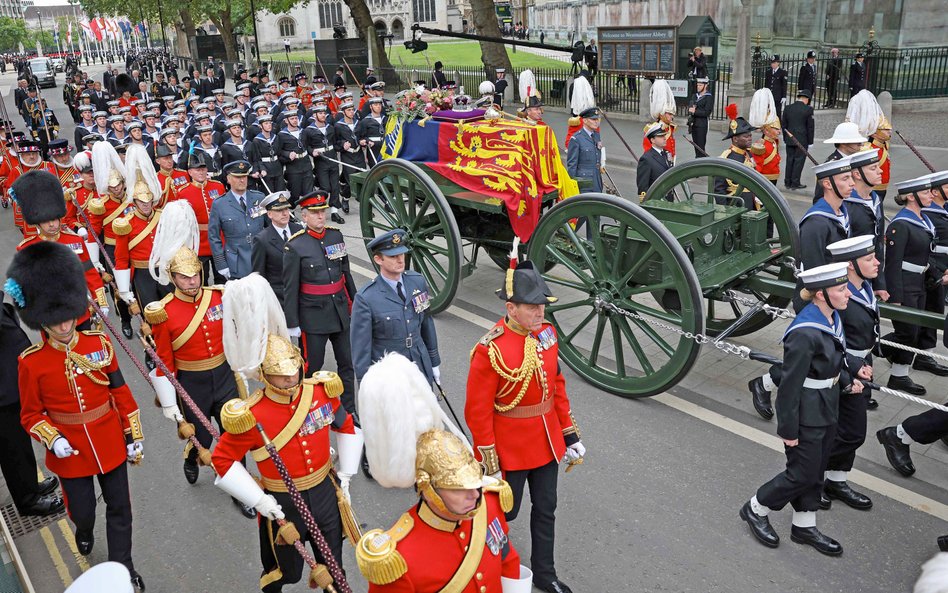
x=16, y=170
x=52, y=401
x=305, y=98
x=521, y=442
x=123, y=102
x=132, y=249
x=306, y=448
x=570, y=131
x=78, y=246
x=884, y=163
x=102, y=223
x=68, y=177
x=429, y=572
x=172, y=183
x=201, y=197
x=203, y=346
x=73, y=218
x=768, y=162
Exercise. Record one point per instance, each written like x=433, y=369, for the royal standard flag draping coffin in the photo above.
x=516, y=162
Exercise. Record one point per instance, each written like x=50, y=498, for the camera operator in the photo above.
x=698, y=64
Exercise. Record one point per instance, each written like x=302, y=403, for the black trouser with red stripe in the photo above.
x=79, y=495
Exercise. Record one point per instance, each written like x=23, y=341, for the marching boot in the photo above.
x=84, y=542
x=762, y=401
x=336, y=218
x=345, y=205
x=906, y=384
x=897, y=452
x=872, y=404
x=554, y=586
x=138, y=582
x=246, y=511
x=760, y=527
x=191, y=471
x=365, y=468
x=843, y=492
x=811, y=536
x=825, y=503
x=45, y=505
x=930, y=365
x=127, y=329
x=48, y=485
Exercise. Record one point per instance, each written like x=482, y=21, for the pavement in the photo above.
x=654, y=507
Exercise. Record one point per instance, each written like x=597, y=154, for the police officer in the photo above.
x=584, y=155
x=519, y=413
x=776, y=81
x=391, y=313
x=267, y=253
x=807, y=404
x=807, y=76
x=857, y=74
x=231, y=227
x=654, y=161
x=317, y=288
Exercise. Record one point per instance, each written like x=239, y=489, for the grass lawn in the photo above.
x=453, y=54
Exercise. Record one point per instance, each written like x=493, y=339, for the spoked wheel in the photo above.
x=695, y=181
x=398, y=194
x=614, y=262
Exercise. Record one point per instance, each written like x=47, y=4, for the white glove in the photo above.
x=576, y=451
x=436, y=373
x=783, y=101
x=134, y=452
x=225, y=273
x=344, y=486
x=128, y=297
x=105, y=311
x=167, y=396
x=99, y=268
x=62, y=449
x=294, y=332
x=269, y=508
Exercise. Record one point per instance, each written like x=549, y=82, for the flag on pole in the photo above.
x=69, y=34
x=96, y=28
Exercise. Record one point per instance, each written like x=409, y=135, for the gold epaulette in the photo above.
x=574, y=121
x=331, y=382
x=34, y=348
x=215, y=287
x=155, y=312
x=725, y=153
x=504, y=492
x=121, y=226
x=296, y=234
x=377, y=554
x=96, y=206
x=236, y=416
x=92, y=332
x=757, y=148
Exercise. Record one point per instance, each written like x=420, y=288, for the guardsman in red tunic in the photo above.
x=297, y=415
x=519, y=413
x=74, y=399
x=172, y=180
x=455, y=538
x=43, y=207
x=60, y=156
x=766, y=151
x=880, y=141
x=29, y=159
x=81, y=193
x=201, y=194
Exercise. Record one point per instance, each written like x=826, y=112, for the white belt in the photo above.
x=858, y=353
x=810, y=383
x=940, y=248
x=375, y=138
x=910, y=267
x=268, y=159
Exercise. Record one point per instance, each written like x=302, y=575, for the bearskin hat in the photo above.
x=124, y=82
x=40, y=301
x=40, y=196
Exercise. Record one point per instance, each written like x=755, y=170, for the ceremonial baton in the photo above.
x=915, y=150
x=326, y=76
x=800, y=146
x=635, y=158
x=360, y=169
x=444, y=398
x=354, y=77
x=698, y=148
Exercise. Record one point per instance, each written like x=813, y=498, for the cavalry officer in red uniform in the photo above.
x=188, y=331
x=317, y=292
x=201, y=194
x=519, y=413
x=296, y=414
x=765, y=152
x=460, y=515
x=41, y=199
x=86, y=416
x=29, y=159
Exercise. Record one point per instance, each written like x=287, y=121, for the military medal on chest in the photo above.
x=318, y=418
x=336, y=251
x=546, y=338
x=420, y=300
x=496, y=538
x=215, y=313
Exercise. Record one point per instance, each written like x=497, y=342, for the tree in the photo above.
x=493, y=55
x=363, y=22
x=45, y=39
x=13, y=32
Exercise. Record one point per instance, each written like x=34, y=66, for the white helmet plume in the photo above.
x=251, y=313
x=104, y=160
x=661, y=99
x=583, y=97
x=763, y=110
x=138, y=166
x=177, y=228
x=528, y=85
x=864, y=111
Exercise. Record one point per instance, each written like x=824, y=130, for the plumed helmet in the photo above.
x=40, y=301
x=486, y=88
x=40, y=196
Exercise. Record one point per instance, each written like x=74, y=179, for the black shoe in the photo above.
x=249, y=512
x=906, y=384
x=897, y=452
x=84, y=542
x=48, y=485
x=191, y=471
x=799, y=186
x=872, y=404
x=365, y=468
x=336, y=218
x=138, y=582
x=761, y=398
x=345, y=206
x=943, y=543
x=930, y=365
x=825, y=503
x=45, y=505
x=760, y=526
x=127, y=329
x=843, y=492
x=811, y=536
x=554, y=586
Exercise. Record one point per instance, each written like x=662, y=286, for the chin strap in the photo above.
x=826, y=296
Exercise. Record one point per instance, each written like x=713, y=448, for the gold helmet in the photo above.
x=115, y=178
x=444, y=461
x=185, y=262
x=884, y=123
x=142, y=193
x=282, y=357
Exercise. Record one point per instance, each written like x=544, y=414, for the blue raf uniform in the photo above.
x=231, y=227
x=584, y=155
x=384, y=321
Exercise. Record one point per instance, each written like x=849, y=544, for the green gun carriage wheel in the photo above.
x=619, y=255
x=398, y=194
x=695, y=181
